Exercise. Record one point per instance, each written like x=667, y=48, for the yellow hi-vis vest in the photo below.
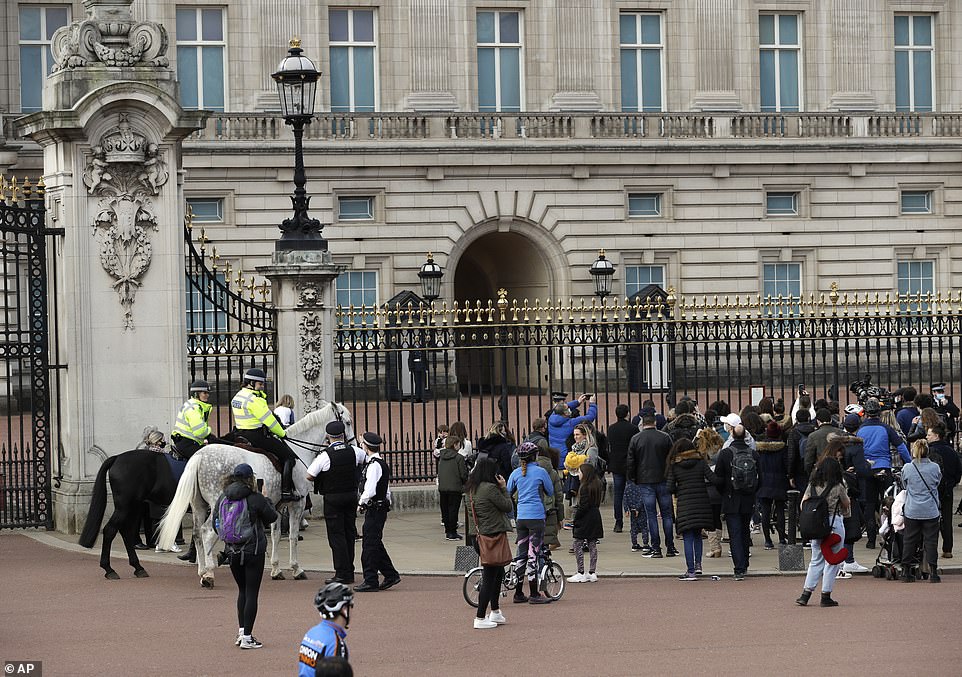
x=192, y=421
x=251, y=412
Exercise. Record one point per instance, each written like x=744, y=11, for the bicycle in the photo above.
x=551, y=578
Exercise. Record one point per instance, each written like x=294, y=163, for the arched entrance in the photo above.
x=493, y=261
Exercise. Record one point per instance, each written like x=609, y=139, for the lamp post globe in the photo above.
x=296, y=78
x=602, y=271
x=430, y=275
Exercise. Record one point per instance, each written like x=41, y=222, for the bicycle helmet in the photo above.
x=854, y=409
x=527, y=451
x=332, y=599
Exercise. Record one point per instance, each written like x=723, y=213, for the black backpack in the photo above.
x=744, y=471
x=813, y=518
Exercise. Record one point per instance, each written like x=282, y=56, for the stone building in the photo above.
x=717, y=146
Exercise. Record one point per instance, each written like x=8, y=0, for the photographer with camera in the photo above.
x=878, y=437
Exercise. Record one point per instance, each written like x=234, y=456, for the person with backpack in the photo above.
x=240, y=516
x=685, y=425
x=737, y=471
x=326, y=640
x=825, y=506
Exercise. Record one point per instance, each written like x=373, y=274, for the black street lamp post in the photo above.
x=602, y=270
x=296, y=79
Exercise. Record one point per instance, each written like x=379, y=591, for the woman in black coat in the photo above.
x=773, y=482
x=688, y=478
x=499, y=445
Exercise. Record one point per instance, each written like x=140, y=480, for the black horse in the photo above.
x=135, y=477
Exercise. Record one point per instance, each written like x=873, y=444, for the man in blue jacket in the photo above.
x=878, y=438
x=561, y=423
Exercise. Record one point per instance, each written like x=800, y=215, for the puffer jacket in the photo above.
x=554, y=506
x=688, y=478
x=772, y=469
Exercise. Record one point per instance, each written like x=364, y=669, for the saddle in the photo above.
x=242, y=442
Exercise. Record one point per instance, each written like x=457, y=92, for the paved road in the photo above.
x=55, y=606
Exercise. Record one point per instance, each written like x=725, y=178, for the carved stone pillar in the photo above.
x=852, y=31
x=111, y=132
x=715, y=55
x=430, y=56
x=302, y=287
x=576, y=79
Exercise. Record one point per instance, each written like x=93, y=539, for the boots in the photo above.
x=803, y=598
x=714, y=543
x=190, y=555
x=827, y=600
x=287, y=482
x=907, y=576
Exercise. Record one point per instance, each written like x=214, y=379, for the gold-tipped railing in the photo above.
x=14, y=193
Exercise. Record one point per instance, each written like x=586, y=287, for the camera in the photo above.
x=801, y=388
x=864, y=390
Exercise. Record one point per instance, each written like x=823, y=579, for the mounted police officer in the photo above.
x=191, y=430
x=375, y=501
x=337, y=467
x=254, y=421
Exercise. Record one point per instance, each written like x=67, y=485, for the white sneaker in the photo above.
x=251, y=643
x=497, y=617
x=578, y=578
x=591, y=578
x=484, y=624
x=842, y=574
x=854, y=568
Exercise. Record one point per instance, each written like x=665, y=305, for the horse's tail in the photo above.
x=174, y=515
x=98, y=506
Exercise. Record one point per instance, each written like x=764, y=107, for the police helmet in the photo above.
x=200, y=386
x=255, y=375
x=527, y=451
x=332, y=598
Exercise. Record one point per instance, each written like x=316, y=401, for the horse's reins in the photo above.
x=317, y=447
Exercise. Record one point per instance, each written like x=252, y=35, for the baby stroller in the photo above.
x=888, y=563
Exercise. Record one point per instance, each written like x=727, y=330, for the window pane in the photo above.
x=186, y=24
x=788, y=80
x=767, y=79
x=30, y=23
x=644, y=204
x=651, y=79
x=788, y=29
x=485, y=27
x=363, y=25
x=56, y=18
x=206, y=210
x=213, y=77
x=781, y=203
x=354, y=208
x=364, y=79
x=766, y=29
x=923, y=80
x=901, y=31
x=340, y=80
x=922, y=30
x=187, y=76
x=508, y=23
x=903, y=101
x=486, y=80
x=337, y=25
x=510, y=79
x=212, y=24
x=628, y=23
x=916, y=202
x=31, y=78
x=629, y=80
x=48, y=55
x=651, y=29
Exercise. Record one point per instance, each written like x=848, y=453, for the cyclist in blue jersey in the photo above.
x=326, y=639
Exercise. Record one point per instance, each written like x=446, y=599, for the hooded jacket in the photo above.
x=261, y=512
x=688, y=478
x=772, y=469
x=452, y=471
x=498, y=449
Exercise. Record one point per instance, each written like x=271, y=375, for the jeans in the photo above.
x=619, y=489
x=739, y=533
x=819, y=566
x=656, y=496
x=693, y=549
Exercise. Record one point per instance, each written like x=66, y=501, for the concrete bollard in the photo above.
x=791, y=557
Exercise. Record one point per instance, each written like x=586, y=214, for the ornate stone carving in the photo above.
x=311, y=396
x=308, y=295
x=309, y=346
x=110, y=36
x=124, y=171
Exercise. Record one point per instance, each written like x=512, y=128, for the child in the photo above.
x=439, y=439
x=452, y=474
x=635, y=509
x=588, y=528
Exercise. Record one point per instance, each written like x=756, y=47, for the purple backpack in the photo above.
x=233, y=521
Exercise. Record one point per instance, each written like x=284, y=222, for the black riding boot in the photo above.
x=190, y=555
x=287, y=482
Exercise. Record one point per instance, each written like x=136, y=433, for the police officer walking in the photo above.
x=191, y=430
x=337, y=467
x=375, y=502
x=254, y=420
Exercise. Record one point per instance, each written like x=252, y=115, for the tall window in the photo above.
x=639, y=277
x=37, y=26
x=779, y=62
x=499, y=62
x=914, y=62
x=200, y=57
x=353, y=60
x=915, y=277
x=642, y=45
x=784, y=279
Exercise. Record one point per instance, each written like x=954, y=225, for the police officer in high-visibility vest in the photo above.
x=191, y=430
x=254, y=421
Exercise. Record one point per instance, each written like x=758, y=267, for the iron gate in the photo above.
x=228, y=330
x=26, y=442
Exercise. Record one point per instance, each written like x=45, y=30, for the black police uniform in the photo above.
x=374, y=556
x=338, y=485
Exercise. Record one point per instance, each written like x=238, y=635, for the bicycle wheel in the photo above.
x=472, y=586
x=553, y=581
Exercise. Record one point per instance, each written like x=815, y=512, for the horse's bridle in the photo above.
x=317, y=447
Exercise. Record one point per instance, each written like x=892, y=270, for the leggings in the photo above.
x=248, y=578
x=490, y=590
x=530, y=537
x=579, y=546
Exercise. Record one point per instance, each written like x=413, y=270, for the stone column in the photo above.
x=302, y=288
x=715, y=55
x=852, y=29
x=430, y=34
x=111, y=132
x=277, y=22
x=574, y=23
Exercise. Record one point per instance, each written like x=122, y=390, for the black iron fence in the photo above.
x=405, y=370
